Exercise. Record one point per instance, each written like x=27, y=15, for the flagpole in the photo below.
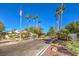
x=20, y=22
x=20, y=26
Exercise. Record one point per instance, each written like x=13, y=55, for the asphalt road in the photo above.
x=23, y=48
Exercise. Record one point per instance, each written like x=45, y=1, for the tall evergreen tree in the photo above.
x=51, y=31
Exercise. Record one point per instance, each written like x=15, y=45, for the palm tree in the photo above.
x=36, y=19
x=39, y=24
x=60, y=10
x=27, y=20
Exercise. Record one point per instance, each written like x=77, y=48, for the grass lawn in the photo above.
x=73, y=46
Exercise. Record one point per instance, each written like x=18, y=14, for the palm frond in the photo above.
x=35, y=17
x=63, y=7
x=27, y=16
x=58, y=8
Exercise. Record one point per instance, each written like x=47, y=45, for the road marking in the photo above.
x=42, y=51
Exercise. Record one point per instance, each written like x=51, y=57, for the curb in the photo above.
x=42, y=51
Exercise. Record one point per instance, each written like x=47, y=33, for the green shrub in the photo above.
x=63, y=35
x=73, y=46
x=78, y=35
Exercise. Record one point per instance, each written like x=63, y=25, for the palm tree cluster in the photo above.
x=37, y=22
x=59, y=12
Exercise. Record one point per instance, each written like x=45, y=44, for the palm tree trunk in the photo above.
x=36, y=25
x=27, y=24
x=38, y=28
x=39, y=25
x=56, y=24
x=60, y=22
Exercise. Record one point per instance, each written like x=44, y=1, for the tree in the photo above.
x=73, y=27
x=27, y=20
x=59, y=11
x=13, y=30
x=36, y=19
x=51, y=31
x=38, y=22
x=35, y=30
x=1, y=27
x=63, y=35
x=78, y=34
x=2, y=34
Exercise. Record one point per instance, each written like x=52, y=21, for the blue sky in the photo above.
x=9, y=14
